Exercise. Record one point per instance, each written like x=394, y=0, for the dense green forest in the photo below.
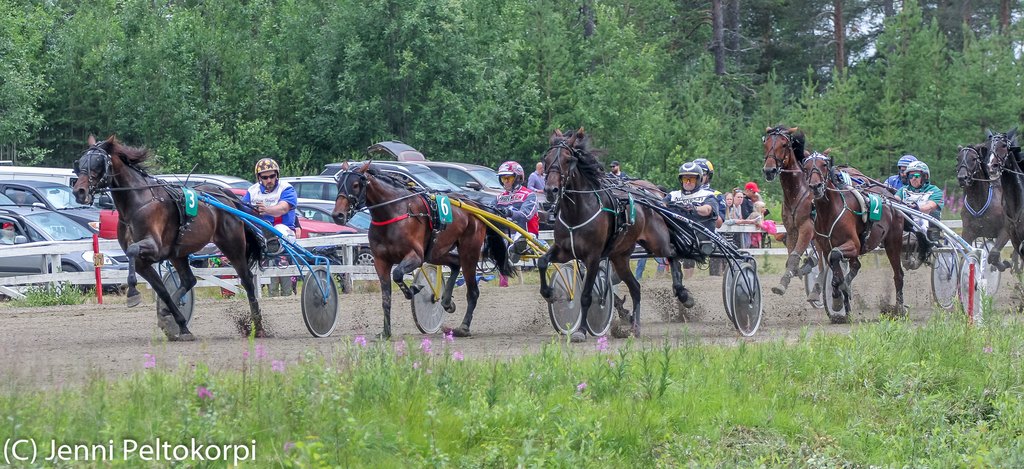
x=216, y=84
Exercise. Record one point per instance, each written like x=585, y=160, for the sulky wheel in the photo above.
x=427, y=311
x=599, y=318
x=964, y=290
x=319, y=303
x=992, y=274
x=564, y=309
x=945, y=279
x=187, y=302
x=812, y=277
x=727, y=281
x=744, y=298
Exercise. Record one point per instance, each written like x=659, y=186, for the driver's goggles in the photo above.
x=506, y=179
x=688, y=179
x=915, y=175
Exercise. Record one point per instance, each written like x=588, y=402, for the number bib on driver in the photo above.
x=191, y=201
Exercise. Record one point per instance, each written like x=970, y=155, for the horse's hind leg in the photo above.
x=472, y=292
x=182, y=333
x=398, y=273
x=682, y=294
x=792, y=264
x=185, y=275
x=382, y=268
x=143, y=248
x=621, y=266
x=248, y=281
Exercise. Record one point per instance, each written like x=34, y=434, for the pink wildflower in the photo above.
x=261, y=352
x=288, y=446
x=425, y=345
x=203, y=393
x=449, y=336
x=987, y=349
x=277, y=366
x=400, y=348
x=360, y=341
x=415, y=365
x=602, y=344
x=581, y=387
x=150, y=361
x=457, y=356
x=245, y=354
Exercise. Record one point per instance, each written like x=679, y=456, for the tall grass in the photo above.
x=888, y=394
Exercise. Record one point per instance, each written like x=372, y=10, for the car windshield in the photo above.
x=361, y=220
x=490, y=178
x=59, y=227
x=314, y=212
x=241, y=184
x=60, y=197
x=434, y=181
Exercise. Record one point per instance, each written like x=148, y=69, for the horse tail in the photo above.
x=497, y=250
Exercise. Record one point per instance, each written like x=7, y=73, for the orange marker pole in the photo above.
x=97, y=261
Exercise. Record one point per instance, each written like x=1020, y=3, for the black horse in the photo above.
x=1004, y=163
x=983, y=215
x=151, y=230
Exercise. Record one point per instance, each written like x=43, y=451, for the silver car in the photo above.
x=20, y=225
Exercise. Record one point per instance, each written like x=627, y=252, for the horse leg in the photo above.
x=144, y=247
x=893, y=247
x=542, y=267
x=621, y=265
x=472, y=293
x=996, y=251
x=449, y=285
x=792, y=263
x=182, y=333
x=585, y=298
x=398, y=273
x=835, y=259
x=383, y=276
x=848, y=282
x=187, y=278
x=682, y=294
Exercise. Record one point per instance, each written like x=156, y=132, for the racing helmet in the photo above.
x=267, y=164
x=511, y=168
x=691, y=169
x=919, y=166
x=709, y=169
x=905, y=160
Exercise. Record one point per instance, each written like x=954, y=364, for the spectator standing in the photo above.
x=616, y=171
x=536, y=181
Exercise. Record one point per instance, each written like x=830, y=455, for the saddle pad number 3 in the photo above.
x=874, y=207
x=444, y=209
x=191, y=201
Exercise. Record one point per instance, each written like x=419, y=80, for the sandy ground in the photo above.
x=55, y=346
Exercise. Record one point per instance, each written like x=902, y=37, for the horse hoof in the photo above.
x=263, y=334
x=636, y=330
x=578, y=337
x=778, y=290
x=188, y=337
x=839, y=318
x=383, y=336
x=133, y=300
x=688, y=301
x=449, y=308
x=462, y=331
x=170, y=328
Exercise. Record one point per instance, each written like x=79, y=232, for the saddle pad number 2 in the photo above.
x=191, y=201
x=874, y=207
x=444, y=209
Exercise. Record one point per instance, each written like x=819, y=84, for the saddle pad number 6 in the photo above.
x=444, y=209
x=191, y=202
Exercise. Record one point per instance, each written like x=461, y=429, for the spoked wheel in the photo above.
x=741, y=292
x=992, y=274
x=964, y=290
x=564, y=308
x=187, y=302
x=945, y=279
x=812, y=277
x=834, y=305
x=319, y=303
x=599, y=318
x=427, y=311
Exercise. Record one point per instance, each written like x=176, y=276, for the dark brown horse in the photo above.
x=589, y=226
x=1004, y=162
x=150, y=229
x=841, y=232
x=402, y=238
x=983, y=214
x=783, y=152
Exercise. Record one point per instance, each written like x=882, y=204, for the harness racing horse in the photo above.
x=783, y=152
x=153, y=228
x=402, y=232
x=983, y=215
x=1004, y=162
x=589, y=227
x=841, y=231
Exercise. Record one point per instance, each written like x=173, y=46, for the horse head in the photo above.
x=969, y=165
x=94, y=170
x=352, y=185
x=1000, y=146
x=560, y=162
x=781, y=149
x=817, y=171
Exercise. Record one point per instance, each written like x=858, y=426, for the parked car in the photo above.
x=413, y=173
x=52, y=196
x=319, y=211
x=193, y=180
x=20, y=225
x=466, y=175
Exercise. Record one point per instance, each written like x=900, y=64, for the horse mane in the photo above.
x=131, y=155
x=589, y=164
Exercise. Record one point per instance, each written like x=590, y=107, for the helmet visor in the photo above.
x=506, y=179
x=688, y=179
x=915, y=175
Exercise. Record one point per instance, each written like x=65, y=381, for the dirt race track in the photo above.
x=45, y=347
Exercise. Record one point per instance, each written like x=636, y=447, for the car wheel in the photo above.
x=66, y=267
x=364, y=257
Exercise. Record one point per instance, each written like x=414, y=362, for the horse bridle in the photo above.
x=971, y=173
x=354, y=201
x=815, y=170
x=779, y=162
x=556, y=166
x=1008, y=146
x=96, y=151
